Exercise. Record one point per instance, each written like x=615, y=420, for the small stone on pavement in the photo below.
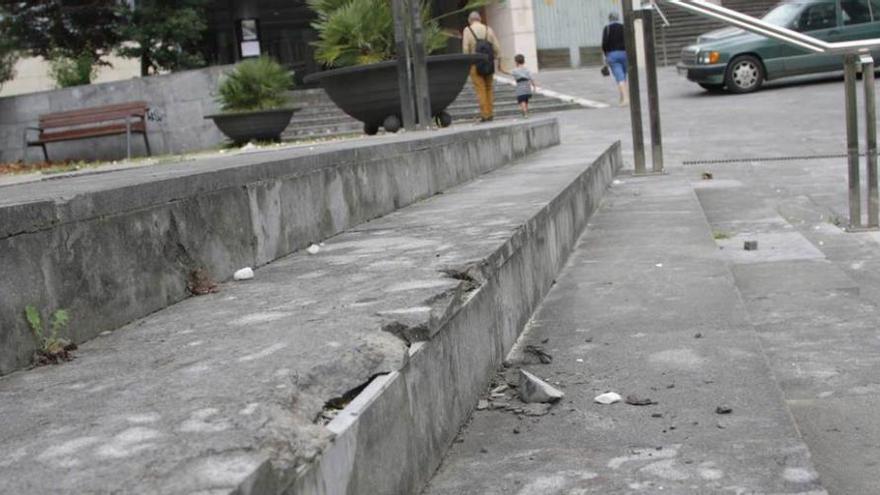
x=608, y=398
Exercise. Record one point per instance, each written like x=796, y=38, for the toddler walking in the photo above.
x=525, y=85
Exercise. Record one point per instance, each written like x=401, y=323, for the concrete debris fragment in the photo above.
x=245, y=273
x=313, y=249
x=723, y=409
x=538, y=351
x=500, y=389
x=750, y=245
x=608, y=398
x=482, y=405
x=536, y=409
x=533, y=389
x=248, y=147
x=635, y=400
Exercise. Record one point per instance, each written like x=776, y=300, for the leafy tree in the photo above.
x=165, y=34
x=63, y=28
x=75, y=71
x=8, y=57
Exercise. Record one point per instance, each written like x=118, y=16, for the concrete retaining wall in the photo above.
x=116, y=253
x=392, y=437
x=178, y=101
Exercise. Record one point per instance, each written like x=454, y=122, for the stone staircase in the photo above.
x=320, y=118
x=685, y=27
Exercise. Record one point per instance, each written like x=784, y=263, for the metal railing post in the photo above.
x=635, y=104
x=851, y=68
x=404, y=76
x=653, y=91
x=871, y=139
x=420, y=67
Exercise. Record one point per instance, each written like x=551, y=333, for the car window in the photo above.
x=875, y=9
x=818, y=16
x=855, y=11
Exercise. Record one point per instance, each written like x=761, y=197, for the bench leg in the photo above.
x=45, y=152
x=128, y=139
x=147, y=144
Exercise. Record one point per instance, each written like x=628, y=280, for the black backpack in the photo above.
x=485, y=67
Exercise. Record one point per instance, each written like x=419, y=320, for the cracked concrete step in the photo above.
x=645, y=307
x=116, y=246
x=229, y=392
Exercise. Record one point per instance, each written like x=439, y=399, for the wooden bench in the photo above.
x=109, y=120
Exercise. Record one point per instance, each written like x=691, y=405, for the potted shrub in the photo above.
x=254, y=101
x=356, y=40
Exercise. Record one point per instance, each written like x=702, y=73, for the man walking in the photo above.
x=479, y=38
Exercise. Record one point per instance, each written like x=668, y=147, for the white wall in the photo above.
x=514, y=25
x=32, y=75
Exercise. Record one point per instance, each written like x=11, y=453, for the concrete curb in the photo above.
x=392, y=437
x=113, y=248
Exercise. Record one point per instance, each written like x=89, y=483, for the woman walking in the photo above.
x=614, y=48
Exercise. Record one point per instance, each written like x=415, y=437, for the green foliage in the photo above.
x=52, y=344
x=8, y=56
x=166, y=35
x=356, y=32
x=72, y=71
x=255, y=84
x=53, y=28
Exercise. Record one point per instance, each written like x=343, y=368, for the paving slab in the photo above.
x=676, y=334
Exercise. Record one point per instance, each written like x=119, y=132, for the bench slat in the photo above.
x=93, y=115
x=105, y=130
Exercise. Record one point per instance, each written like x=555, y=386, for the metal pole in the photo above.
x=851, y=64
x=420, y=67
x=404, y=78
x=635, y=104
x=653, y=91
x=871, y=138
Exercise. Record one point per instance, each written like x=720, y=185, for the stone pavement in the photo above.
x=787, y=334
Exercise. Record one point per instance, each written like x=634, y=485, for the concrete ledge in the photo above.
x=226, y=393
x=392, y=438
x=114, y=247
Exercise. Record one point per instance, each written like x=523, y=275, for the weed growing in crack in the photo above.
x=719, y=235
x=51, y=349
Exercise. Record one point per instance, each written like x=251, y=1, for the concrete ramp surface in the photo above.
x=345, y=371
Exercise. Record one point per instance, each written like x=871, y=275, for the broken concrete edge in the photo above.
x=392, y=437
x=43, y=206
x=475, y=274
x=135, y=257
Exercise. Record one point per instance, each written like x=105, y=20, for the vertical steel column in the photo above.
x=635, y=103
x=404, y=76
x=653, y=91
x=871, y=139
x=420, y=67
x=851, y=67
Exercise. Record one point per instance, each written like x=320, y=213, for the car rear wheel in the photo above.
x=744, y=74
x=712, y=88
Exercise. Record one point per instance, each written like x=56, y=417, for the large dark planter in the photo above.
x=370, y=93
x=260, y=125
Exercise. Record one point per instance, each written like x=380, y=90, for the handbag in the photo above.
x=605, y=71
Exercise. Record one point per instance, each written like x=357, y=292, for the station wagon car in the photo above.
x=740, y=61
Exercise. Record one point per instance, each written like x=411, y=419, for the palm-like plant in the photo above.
x=255, y=84
x=356, y=32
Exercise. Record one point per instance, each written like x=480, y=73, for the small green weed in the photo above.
x=719, y=234
x=51, y=349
